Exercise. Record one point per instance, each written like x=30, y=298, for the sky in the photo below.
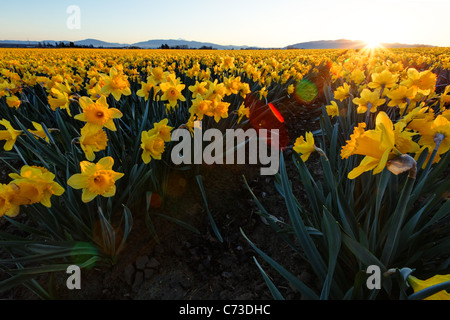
x=261, y=23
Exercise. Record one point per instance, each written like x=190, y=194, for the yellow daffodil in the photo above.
x=422, y=82
x=384, y=79
x=219, y=109
x=92, y=141
x=305, y=147
x=199, y=89
x=200, y=107
x=419, y=285
x=60, y=100
x=404, y=139
x=244, y=90
x=232, y=85
x=8, y=206
x=146, y=87
x=39, y=131
x=157, y=75
x=153, y=146
x=242, y=112
x=290, y=89
x=13, y=102
x=96, y=179
x=216, y=90
x=172, y=92
x=36, y=184
x=435, y=131
x=342, y=92
x=445, y=97
x=378, y=146
x=357, y=76
x=333, y=109
x=368, y=100
x=263, y=93
x=116, y=84
x=10, y=134
x=98, y=114
x=95, y=93
x=227, y=63
x=400, y=97
x=162, y=130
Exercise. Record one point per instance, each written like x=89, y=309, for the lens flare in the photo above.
x=276, y=113
x=372, y=44
x=306, y=91
x=267, y=117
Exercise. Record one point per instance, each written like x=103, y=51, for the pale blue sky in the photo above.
x=263, y=23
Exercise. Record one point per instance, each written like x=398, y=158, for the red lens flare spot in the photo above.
x=267, y=117
x=155, y=200
x=276, y=113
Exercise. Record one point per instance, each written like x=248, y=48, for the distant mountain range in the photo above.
x=150, y=44
x=185, y=44
x=347, y=44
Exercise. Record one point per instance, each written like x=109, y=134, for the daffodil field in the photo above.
x=86, y=138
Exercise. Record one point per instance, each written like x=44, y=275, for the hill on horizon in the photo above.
x=186, y=44
x=347, y=44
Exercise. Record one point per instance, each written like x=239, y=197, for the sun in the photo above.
x=373, y=44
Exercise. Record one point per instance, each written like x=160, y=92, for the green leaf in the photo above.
x=300, y=286
x=273, y=289
x=361, y=253
x=332, y=233
x=179, y=222
x=304, y=239
x=211, y=219
x=396, y=222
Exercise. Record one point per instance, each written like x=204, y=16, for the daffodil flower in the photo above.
x=92, y=141
x=368, y=100
x=172, y=92
x=378, y=146
x=98, y=114
x=419, y=285
x=35, y=185
x=10, y=135
x=332, y=109
x=152, y=145
x=96, y=179
x=116, y=84
x=305, y=147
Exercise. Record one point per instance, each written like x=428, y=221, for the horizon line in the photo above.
x=223, y=45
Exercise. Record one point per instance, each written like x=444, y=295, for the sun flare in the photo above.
x=373, y=44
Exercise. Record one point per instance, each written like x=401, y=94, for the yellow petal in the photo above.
x=57, y=189
x=86, y=166
x=110, y=125
x=146, y=157
x=367, y=164
x=110, y=193
x=105, y=163
x=77, y=181
x=85, y=102
x=13, y=211
x=88, y=196
x=102, y=101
